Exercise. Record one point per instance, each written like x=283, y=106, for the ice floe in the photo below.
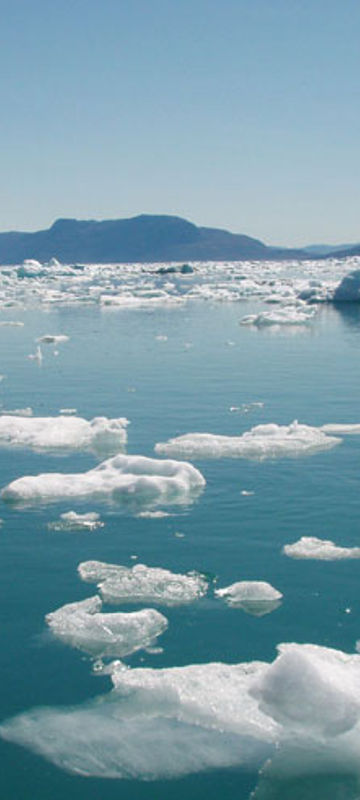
x=341, y=428
x=348, y=290
x=132, y=480
x=142, y=584
x=165, y=723
x=71, y=521
x=254, y=597
x=100, y=435
x=83, y=625
x=309, y=547
x=263, y=441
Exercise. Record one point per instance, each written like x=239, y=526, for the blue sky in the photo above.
x=243, y=115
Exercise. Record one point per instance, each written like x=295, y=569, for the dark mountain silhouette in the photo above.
x=144, y=239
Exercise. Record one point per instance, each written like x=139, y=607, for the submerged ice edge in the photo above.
x=302, y=708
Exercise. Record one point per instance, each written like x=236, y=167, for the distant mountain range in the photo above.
x=146, y=238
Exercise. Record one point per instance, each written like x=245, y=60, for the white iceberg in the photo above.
x=165, y=723
x=100, y=435
x=133, y=480
x=142, y=584
x=82, y=625
x=309, y=547
x=55, y=339
x=348, y=290
x=263, y=441
x=71, y=521
x=254, y=597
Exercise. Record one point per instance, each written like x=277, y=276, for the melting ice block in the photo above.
x=83, y=626
x=100, y=435
x=348, y=290
x=142, y=584
x=162, y=723
x=309, y=547
x=263, y=441
x=254, y=597
x=133, y=480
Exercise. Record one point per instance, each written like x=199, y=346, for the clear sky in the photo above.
x=241, y=114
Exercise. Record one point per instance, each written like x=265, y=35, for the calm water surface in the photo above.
x=114, y=365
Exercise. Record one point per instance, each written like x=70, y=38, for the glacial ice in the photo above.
x=263, y=441
x=142, y=584
x=134, y=480
x=100, y=435
x=348, y=290
x=82, y=625
x=309, y=547
x=71, y=521
x=254, y=597
x=341, y=428
x=163, y=723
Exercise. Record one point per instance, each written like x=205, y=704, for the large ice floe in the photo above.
x=99, y=435
x=254, y=597
x=263, y=441
x=142, y=584
x=83, y=625
x=135, y=481
x=164, y=723
x=309, y=547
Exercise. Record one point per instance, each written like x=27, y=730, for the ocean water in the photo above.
x=173, y=368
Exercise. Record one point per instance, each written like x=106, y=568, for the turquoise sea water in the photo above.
x=114, y=365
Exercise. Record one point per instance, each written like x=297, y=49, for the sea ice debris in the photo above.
x=254, y=597
x=82, y=625
x=142, y=584
x=100, y=435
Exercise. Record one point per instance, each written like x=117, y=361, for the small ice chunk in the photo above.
x=263, y=441
x=53, y=339
x=37, y=356
x=82, y=625
x=133, y=480
x=309, y=547
x=246, y=493
x=11, y=324
x=71, y=521
x=254, y=597
x=161, y=338
x=154, y=514
x=288, y=315
x=100, y=435
x=142, y=584
x=70, y=411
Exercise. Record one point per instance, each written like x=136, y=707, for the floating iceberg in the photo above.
x=348, y=290
x=71, y=521
x=263, y=441
x=309, y=547
x=133, y=480
x=100, y=435
x=82, y=625
x=142, y=584
x=165, y=723
x=254, y=597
